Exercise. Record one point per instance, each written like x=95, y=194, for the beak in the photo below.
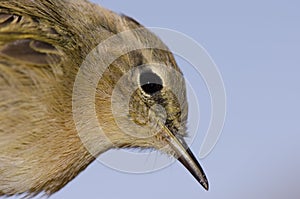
x=186, y=157
x=189, y=161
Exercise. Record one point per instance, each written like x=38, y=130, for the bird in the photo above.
x=43, y=44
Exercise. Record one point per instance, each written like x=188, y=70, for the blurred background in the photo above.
x=256, y=46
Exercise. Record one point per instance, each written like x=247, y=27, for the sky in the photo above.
x=256, y=46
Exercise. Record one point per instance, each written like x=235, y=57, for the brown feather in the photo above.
x=39, y=47
x=42, y=45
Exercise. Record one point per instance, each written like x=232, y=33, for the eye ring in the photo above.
x=150, y=82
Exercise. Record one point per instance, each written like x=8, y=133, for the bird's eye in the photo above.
x=150, y=82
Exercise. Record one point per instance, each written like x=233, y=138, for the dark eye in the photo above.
x=150, y=82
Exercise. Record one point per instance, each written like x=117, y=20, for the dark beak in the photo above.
x=193, y=166
x=186, y=157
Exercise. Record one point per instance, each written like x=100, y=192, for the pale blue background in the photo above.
x=256, y=45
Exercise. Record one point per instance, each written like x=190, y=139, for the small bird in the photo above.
x=43, y=44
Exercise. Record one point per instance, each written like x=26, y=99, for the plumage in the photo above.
x=42, y=45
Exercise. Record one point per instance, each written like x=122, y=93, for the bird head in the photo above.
x=76, y=81
x=140, y=98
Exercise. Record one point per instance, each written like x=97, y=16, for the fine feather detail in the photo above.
x=39, y=149
x=42, y=45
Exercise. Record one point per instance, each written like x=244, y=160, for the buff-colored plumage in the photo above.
x=42, y=45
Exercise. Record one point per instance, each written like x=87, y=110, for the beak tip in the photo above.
x=195, y=169
x=205, y=185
